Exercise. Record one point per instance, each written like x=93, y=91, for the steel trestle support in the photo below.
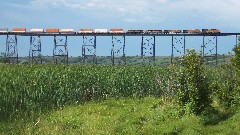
x=35, y=49
x=148, y=50
x=237, y=40
x=89, y=50
x=178, y=48
x=60, y=51
x=11, y=52
x=118, y=55
x=209, y=50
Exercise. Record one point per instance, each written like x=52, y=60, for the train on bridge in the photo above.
x=105, y=31
x=118, y=37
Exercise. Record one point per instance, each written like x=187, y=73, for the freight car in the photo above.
x=100, y=31
x=52, y=30
x=116, y=30
x=86, y=30
x=3, y=30
x=19, y=30
x=134, y=31
x=172, y=31
x=34, y=30
x=153, y=31
x=67, y=31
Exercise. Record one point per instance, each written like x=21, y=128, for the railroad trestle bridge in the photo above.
x=118, y=55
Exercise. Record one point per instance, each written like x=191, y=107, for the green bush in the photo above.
x=235, y=94
x=193, y=92
x=236, y=59
x=225, y=83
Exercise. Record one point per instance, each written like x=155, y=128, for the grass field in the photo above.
x=76, y=99
x=122, y=116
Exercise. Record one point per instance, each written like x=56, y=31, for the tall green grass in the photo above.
x=35, y=88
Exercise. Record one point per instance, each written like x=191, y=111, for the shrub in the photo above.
x=191, y=87
x=236, y=59
x=235, y=93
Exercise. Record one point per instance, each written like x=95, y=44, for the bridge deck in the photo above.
x=120, y=34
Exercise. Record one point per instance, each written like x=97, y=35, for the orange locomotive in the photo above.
x=210, y=31
x=192, y=31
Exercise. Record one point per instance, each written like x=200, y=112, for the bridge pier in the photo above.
x=118, y=55
x=89, y=49
x=148, y=50
x=178, y=48
x=11, y=52
x=60, y=51
x=209, y=49
x=35, y=49
x=236, y=39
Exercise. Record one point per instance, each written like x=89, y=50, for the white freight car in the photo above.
x=67, y=31
x=100, y=31
x=36, y=30
x=3, y=30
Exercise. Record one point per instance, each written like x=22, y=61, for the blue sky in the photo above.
x=126, y=14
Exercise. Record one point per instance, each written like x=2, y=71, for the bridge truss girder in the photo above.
x=178, y=48
x=89, y=50
x=118, y=56
x=35, y=49
x=11, y=52
x=148, y=50
x=209, y=49
x=60, y=51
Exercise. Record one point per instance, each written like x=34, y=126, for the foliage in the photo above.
x=225, y=81
x=224, y=84
x=4, y=60
x=236, y=62
x=236, y=59
x=191, y=86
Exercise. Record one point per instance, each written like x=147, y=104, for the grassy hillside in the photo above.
x=123, y=116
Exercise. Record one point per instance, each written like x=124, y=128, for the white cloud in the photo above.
x=154, y=11
x=147, y=11
x=129, y=10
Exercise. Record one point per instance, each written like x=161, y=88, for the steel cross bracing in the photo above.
x=209, y=46
x=60, y=51
x=209, y=49
x=178, y=48
x=148, y=50
x=118, y=56
x=89, y=49
x=35, y=49
x=11, y=52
